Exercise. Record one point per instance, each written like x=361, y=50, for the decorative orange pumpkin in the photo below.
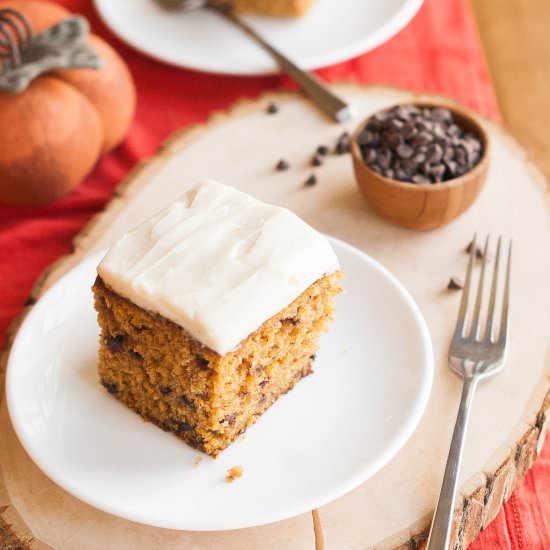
x=54, y=131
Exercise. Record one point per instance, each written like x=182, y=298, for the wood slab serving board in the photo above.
x=392, y=509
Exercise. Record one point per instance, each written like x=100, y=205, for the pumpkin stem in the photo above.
x=25, y=55
x=15, y=35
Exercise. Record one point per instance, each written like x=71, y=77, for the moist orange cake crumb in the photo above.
x=234, y=473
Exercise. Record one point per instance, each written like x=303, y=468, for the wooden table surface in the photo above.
x=515, y=37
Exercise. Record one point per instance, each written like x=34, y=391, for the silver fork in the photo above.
x=313, y=87
x=474, y=354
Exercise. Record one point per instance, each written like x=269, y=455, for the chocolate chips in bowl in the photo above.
x=421, y=165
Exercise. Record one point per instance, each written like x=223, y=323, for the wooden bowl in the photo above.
x=423, y=206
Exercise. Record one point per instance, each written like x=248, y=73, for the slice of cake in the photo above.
x=211, y=310
x=276, y=8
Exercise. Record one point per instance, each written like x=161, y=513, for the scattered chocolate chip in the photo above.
x=183, y=427
x=166, y=390
x=312, y=357
x=282, y=165
x=272, y=109
x=111, y=387
x=479, y=251
x=323, y=150
x=317, y=160
x=114, y=343
x=312, y=180
x=455, y=283
x=135, y=355
x=343, y=144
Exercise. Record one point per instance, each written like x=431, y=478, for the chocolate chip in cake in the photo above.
x=282, y=165
x=114, y=343
x=322, y=150
x=455, y=283
x=272, y=109
x=183, y=427
x=312, y=357
x=229, y=419
x=186, y=401
x=312, y=180
x=292, y=320
x=111, y=388
x=135, y=355
x=166, y=390
x=317, y=160
x=203, y=363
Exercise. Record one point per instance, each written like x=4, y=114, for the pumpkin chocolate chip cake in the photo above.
x=276, y=8
x=211, y=310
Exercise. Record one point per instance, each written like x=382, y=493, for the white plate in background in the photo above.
x=333, y=31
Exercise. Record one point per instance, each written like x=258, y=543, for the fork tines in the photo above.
x=474, y=332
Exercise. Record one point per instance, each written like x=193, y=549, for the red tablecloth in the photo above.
x=439, y=52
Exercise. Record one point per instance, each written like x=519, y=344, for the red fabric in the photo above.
x=439, y=52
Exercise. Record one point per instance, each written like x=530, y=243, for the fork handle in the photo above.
x=313, y=87
x=444, y=511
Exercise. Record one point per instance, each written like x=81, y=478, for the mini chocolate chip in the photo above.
x=455, y=283
x=323, y=150
x=186, y=401
x=292, y=320
x=449, y=154
x=437, y=172
x=408, y=130
x=114, y=343
x=365, y=138
x=166, y=390
x=229, y=419
x=282, y=165
x=479, y=252
x=183, y=427
x=441, y=114
x=384, y=158
x=317, y=160
x=343, y=145
x=370, y=156
x=263, y=383
x=135, y=355
x=202, y=362
x=272, y=109
x=111, y=388
x=312, y=180
x=419, y=178
x=434, y=154
x=389, y=173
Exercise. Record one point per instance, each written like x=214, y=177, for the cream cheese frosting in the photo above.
x=218, y=262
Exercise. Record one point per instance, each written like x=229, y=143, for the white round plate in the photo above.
x=331, y=32
x=371, y=383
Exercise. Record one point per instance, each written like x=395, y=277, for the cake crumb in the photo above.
x=198, y=460
x=234, y=473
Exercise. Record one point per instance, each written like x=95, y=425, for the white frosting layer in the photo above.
x=218, y=262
